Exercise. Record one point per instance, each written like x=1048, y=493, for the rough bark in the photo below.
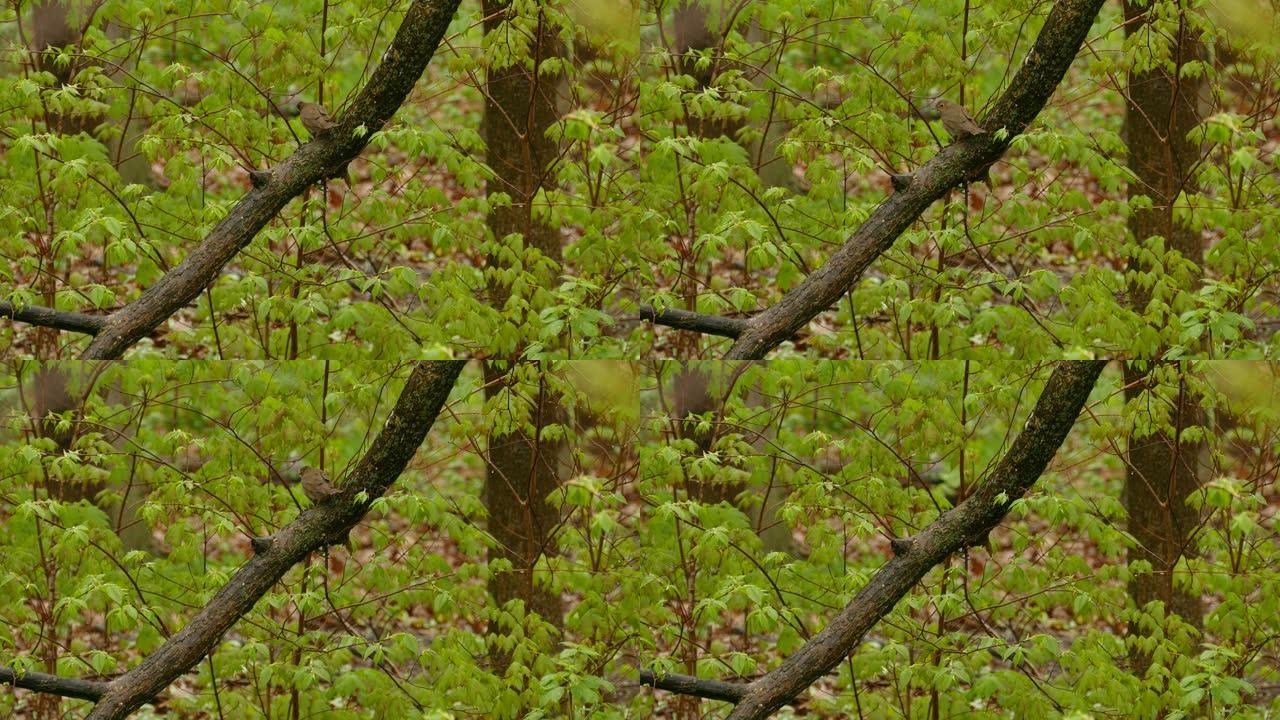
x=1162, y=110
x=415, y=411
x=415, y=42
x=522, y=466
x=1060, y=38
x=967, y=524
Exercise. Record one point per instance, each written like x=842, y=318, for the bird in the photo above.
x=957, y=121
x=260, y=178
x=901, y=545
x=315, y=118
x=316, y=485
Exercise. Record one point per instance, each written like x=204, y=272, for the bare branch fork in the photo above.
x=415, y=411
x=324, y=157
x=1046, y=64
x=967, y=524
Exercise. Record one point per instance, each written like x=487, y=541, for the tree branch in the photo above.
x=1060, y=38
x=689, y=685
x=48, y=317
x=327, y=156
x=415, y=411
x=54, y=685
x=967, y=524
x=685, y=320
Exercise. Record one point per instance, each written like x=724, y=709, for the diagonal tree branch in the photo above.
x=967, y=524
x=1060, y=38
x=327, y=156
x=415, y=411
x=48, y=317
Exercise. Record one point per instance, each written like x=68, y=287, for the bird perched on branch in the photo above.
x=316, y=485
x=957, y=121
x=315, y=118
x=900, y=181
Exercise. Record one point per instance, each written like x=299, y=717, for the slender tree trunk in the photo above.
x=520, y=106
x=522, y=471
x=523, y=466
x=52, y=396
x=56, y=26
x=693, y=36
x=51, y=399
x=1163, y=470
x=1162, y=109
x=51, y=33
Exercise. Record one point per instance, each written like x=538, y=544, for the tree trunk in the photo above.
x=520, y=105
x=51, y=32
x=693, y=37
x=1161, y=111
x=522, y=466
x=522, y=471
x=51, y=396
x=1162, y=469
x=56, y=26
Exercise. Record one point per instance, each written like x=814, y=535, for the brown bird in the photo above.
x=315, y=118
x=316, y=485
x=957, y=121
